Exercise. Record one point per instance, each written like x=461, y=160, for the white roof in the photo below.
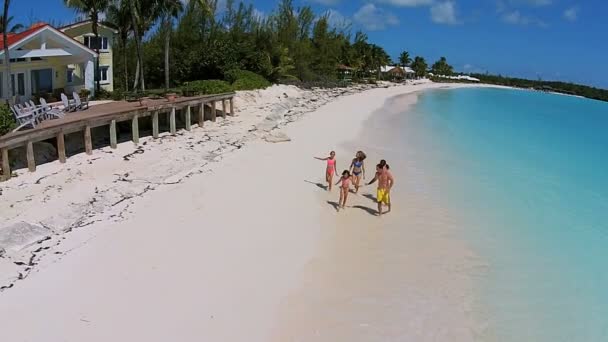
x=388, y=68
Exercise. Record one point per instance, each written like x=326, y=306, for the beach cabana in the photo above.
x=345, y=72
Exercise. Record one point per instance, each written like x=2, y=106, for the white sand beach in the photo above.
x=219, y=235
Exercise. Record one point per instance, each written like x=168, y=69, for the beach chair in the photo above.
x=47, y=109
x=23, y=118
x=68, y=106
x=81, y=105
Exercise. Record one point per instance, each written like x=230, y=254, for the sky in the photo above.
x=564, y=40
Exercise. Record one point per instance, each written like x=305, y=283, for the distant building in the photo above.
x=396, y=72
x=345, y=72
x=45, y=59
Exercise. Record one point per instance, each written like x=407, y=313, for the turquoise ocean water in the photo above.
x=528, y=172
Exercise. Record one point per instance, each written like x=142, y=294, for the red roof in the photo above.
x=13, y=38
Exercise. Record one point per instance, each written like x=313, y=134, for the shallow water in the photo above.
x=527, y=172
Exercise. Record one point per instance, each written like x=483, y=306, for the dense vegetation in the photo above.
x=208, y=43
x=7, y=121
x=560, y=87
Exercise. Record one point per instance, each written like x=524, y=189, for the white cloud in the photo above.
x=516, y=18
x=408, y=3
x=337, y=20
x=538, y=2
x=444, y=13
x=326, y=2
x=259, y=15
x=373, y=18
x=571, y=14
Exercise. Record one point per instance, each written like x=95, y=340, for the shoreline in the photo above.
x=190, y=236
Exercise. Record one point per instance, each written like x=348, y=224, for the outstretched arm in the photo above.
x=373, y=180
x=321, y=158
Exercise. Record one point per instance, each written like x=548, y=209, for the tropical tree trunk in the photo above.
x=95, y=26
x=136, y=82
x=140, y=61
x=7, y=63
x=167, y=44
x=125, y=60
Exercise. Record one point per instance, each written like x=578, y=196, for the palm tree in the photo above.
x=5, y=23
x=91, y=8
x=404, y=59
x=419, y=65
x=119, y=16
x=168, y=9
x=143, y=14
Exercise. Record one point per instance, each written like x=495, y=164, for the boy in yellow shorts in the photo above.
x=385, y=183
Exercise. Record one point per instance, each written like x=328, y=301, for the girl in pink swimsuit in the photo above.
x=345, y=182
x=331, y=168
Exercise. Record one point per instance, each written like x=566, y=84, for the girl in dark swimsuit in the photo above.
x=357, y=168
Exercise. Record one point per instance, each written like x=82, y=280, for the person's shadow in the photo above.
x=334, y=204
x=321, y=186
x=370, y=197
x=366, y=209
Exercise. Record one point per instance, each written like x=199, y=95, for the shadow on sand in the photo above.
x=319, y=185
x=334, y=204
x=370, y=211
x=370, y=197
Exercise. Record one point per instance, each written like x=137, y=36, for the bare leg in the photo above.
x=379, y=208
x=345, y=197
x=341, y=199
x=328, y=180
x=357, y=179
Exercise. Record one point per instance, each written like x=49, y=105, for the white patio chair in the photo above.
x=23, y=118
x=68, y=106
x=80, y=104
x=49, y=110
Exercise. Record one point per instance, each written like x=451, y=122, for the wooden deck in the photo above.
x=109, y=114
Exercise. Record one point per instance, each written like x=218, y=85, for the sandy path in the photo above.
x=214, y=258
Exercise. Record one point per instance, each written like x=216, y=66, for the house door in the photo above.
x=18, y=84
x=42, y=82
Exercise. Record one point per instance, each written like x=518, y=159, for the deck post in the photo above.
x=61, y=147
x=6, y=165
x=155, y=124
x=224, y=108
x=135, y=129
x=213, y=112
x=88, y=144
x=232, y=106
x=201, y=114
x=31, y=162
x=113, y=138
x=172, y=121
x=188, y=127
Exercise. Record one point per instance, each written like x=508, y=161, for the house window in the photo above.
x=70, y=75
x=92, y=43
x=15, y=60
x=104, y=73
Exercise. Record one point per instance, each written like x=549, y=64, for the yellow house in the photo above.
x=46, y=60
x=83, y=32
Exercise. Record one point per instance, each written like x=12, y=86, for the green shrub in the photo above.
x=118, y=95
x=84, y=93
x=207, y=87
x=245, y=80
x=7, y=121
x=102, y=94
